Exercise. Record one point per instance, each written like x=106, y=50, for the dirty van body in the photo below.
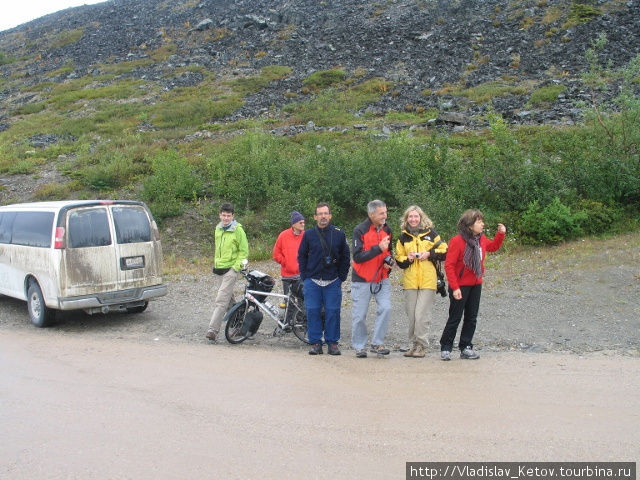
x=93, y=255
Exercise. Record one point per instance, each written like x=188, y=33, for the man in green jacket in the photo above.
x=231, y=248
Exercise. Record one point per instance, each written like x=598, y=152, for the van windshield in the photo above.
x=132, y=224
x=89, y=228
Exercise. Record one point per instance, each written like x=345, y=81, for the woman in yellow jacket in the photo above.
x=417, y=248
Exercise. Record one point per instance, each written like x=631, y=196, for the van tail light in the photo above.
x=59, y=241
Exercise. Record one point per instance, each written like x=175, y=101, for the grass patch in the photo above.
x=68, y=94
x=545, y=95
x=325, y=79
x=484, y=92
x=53, y=191
x=67, y=37
x=248, y=85
x=186, y=107
x=5, y=59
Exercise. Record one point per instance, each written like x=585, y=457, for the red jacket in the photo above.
x=285, y=252
x=457, y=274
x=367, y=256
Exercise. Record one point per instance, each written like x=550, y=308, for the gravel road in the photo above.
x=580, y=297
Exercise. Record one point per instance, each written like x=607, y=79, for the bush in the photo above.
x=172, y=182
x=598, y=217
x=550, y=224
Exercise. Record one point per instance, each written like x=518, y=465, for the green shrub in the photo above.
x=598, y=218
x=550, y=224
x=172, y=181
x=580, y=12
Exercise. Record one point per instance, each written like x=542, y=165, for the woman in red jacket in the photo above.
x=464, y=267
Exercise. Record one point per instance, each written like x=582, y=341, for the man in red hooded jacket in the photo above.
x=285, y=251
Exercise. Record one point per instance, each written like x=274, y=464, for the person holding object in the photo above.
x=285, y=252
x=372, y=262
x=464, y=267
x=323, y=258
x=418, y=247
x=231, y=248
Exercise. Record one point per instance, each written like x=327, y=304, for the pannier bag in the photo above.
x=296, y=289
x=251, y=323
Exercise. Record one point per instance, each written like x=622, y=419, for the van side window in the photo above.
x=6, y=219
x=89, y=228
x=33, y=229
x=132, y=225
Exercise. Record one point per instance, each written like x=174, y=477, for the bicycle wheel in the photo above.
x=233, y=328
x=300, y=325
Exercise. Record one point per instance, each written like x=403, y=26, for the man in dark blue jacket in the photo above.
x=324, y=261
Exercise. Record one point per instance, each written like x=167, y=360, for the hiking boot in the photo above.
x=361, y=353
x=211, y=335
x=419, y=351
x=469, y=354
x=316, y=349
x=379, y=349
x=410, y=352
x=445, y=355
x=333, y=349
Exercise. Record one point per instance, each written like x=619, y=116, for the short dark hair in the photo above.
x=227, y=207
x=322, y=204
x=468, y=218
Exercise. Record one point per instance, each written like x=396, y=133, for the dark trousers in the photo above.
x=467, y=305
x=286, y=286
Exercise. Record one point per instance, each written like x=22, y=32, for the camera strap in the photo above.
x=437, y=263
x=325, y=247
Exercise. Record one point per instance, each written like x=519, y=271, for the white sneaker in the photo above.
x=445, y=355
x=469, y=354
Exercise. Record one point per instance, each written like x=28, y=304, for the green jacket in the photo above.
x=231, y=246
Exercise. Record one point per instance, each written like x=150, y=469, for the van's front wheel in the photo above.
x=40, y=315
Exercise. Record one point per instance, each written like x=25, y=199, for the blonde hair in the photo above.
x=425, y=222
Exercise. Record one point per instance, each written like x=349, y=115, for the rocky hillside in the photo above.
x=432, y=51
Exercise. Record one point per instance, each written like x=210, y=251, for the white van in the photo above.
x=91, y=255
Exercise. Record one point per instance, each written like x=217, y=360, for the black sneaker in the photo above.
x=333, y=349
x=316, y=349
x=361, y=353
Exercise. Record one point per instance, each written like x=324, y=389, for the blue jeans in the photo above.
x=361, y=295
x=329, y=297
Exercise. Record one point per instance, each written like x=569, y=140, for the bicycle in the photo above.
x=245, y=317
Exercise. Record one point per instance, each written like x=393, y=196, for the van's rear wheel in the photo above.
x=138, y=309
x=39, y=314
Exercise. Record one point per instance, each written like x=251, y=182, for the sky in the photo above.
x=16, y=12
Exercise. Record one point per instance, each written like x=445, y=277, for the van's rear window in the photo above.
x=132, y=224
x=33, y=229
x=89, y=228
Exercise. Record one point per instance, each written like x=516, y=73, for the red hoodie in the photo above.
x=285, y=252
x=457, y=274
